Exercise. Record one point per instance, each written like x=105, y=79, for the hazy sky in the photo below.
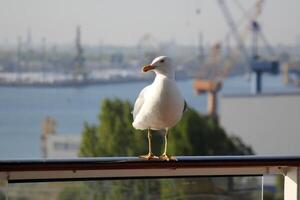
x=126, y=21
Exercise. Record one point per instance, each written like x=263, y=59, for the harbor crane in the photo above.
x=79, y=59
x=257, y=64
x=211, y=75
x=148, y=48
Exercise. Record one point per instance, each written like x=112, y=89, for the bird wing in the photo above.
x=139, y=102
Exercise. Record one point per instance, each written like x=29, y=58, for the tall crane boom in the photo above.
x=79, y=58
x=234, y=30
x=255, y=62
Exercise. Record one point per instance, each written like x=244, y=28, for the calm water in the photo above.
x=22, y=110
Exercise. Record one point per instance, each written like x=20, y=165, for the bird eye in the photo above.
x=162, y=61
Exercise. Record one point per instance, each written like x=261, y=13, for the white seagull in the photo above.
x=159, y=105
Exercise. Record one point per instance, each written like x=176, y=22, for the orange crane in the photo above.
x=210, y=79
x=211, y=75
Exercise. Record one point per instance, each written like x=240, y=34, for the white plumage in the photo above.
x=159, y=105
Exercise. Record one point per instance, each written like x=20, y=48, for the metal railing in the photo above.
x=104, y=168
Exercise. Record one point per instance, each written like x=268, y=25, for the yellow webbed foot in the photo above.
x=167, y=158
x=149, y=156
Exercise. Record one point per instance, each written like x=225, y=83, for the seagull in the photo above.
x=159, y=105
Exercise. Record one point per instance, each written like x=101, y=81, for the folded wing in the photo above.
x=139, y=103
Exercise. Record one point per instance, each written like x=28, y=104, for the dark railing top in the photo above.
x=101, y=163
x=37, y=170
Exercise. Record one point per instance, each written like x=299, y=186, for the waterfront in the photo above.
x=22, y=110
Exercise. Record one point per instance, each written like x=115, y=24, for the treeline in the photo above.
x=194, y=135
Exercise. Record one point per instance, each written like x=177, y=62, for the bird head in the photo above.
x=161, y=65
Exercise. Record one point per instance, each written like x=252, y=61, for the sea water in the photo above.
x=23, y=109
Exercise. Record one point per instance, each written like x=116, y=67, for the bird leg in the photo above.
x=150, y=155
x=164, y=156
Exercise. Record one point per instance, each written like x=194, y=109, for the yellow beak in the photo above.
x=148, y=67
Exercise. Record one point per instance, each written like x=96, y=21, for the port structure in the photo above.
x=255, y=62
x=210, y=78
x=259, y=65
x=215, y=69
x=79, y=59
x=211, y=88
x=211, y=75
x=291, y=68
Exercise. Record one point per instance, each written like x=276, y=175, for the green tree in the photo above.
x=202, y=135
x=279, y=187
x=72, y=193
x=2, y=196
x=115, y=136
x=194, y=135
x=90, y=141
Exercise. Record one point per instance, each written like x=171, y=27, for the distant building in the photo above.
x=58, y=146
x=62, y=146
x=270, y=123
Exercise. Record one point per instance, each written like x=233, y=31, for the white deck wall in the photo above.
x=269, y=123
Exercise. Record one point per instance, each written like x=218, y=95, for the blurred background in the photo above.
x=71, y=70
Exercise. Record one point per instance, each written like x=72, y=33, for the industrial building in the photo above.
x=269, y=122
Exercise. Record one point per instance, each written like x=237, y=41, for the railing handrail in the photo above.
x=94, y=163
x=35, y=170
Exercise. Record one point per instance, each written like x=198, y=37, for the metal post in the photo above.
x=255, y=30
x=291, y=184
x=4, y=184
x=257, y=83
x=262, y=187
x=212, y=103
